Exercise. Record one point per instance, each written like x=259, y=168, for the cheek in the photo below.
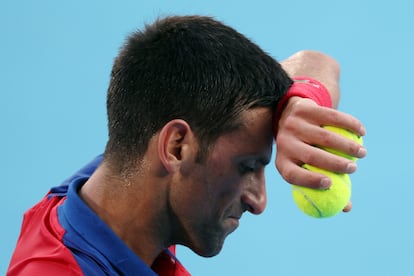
x=223, y=180
x=224, y=194
x=213, y=192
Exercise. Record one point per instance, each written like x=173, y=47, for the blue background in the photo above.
x=55, y=61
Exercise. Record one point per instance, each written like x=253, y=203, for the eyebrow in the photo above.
x=264, y=161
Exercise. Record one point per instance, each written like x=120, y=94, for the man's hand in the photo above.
x=300, y=130
x=300, y=133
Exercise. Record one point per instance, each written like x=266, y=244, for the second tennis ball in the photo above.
x=329, y=202
x=323, y=203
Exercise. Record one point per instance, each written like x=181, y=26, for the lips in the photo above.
x=233, y=218
x=235, y=221
x=236, y=215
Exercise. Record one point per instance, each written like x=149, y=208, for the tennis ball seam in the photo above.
x=309, y=200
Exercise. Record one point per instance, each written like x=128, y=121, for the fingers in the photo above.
x=292, y=149
x=301, y=137
x=297, y=175
x=309, y=111
x=340, y=119
x=348, y=207
x=322, y=159
x=322, y=137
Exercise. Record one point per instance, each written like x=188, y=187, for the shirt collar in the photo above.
x=98, y=234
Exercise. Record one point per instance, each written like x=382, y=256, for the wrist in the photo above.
x=303, y=87
x=310, y=88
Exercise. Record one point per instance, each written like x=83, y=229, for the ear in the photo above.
x=176, y=144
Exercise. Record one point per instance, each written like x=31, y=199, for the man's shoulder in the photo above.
x=45, y=267
x=40, y=247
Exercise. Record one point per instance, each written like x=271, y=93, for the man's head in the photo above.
x=190, y=107
x=191, y=68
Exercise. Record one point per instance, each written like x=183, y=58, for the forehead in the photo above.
x=254, y=137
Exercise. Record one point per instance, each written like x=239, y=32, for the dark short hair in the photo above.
x=193, y=68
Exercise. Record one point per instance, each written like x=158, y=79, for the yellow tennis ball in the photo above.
x=323, y=203
x=328, y=202
x=346, y=133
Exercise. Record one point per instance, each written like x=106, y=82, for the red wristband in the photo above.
x=304, y=87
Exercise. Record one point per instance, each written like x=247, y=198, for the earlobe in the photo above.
x=174, y=144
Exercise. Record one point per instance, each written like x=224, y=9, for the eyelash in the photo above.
x=244, y=169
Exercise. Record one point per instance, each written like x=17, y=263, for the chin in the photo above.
x=209, y=248
x=208, y=241
x=208, y=253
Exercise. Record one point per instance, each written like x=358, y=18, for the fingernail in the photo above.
x=351, y=167
x=362, y=152
x=326, y=183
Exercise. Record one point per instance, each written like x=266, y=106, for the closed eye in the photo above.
x=252, y=165
x=245, y=169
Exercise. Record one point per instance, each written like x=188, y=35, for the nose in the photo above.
x=254, y=197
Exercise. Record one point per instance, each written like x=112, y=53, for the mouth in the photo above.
x=233, y=218
x=235, y=221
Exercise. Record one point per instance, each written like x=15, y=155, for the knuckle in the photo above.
x=325, y=137
x=308, y=157
x=288, y=173
x=335, y=117
x=281, y=140
x=290, y=122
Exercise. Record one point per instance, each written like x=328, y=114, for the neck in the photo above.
x=133, y=210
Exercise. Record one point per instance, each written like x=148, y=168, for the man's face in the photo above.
x=213, y=195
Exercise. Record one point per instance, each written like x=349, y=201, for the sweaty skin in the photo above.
x=180, y=201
